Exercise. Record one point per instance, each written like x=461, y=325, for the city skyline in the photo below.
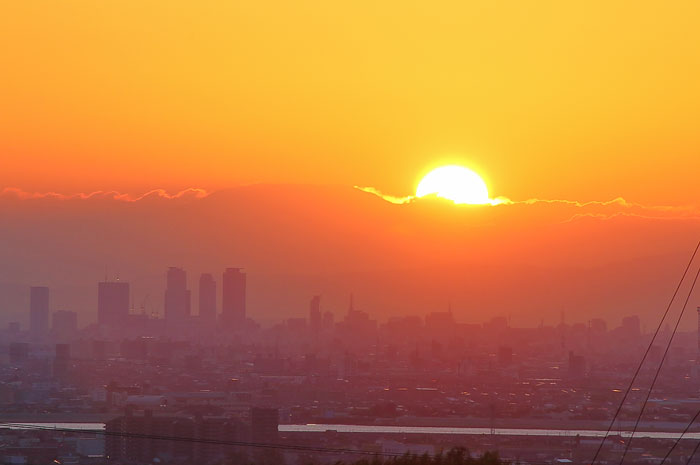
x=113, y=311
x=262, y=232
x=302, y=241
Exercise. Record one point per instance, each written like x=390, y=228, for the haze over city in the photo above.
x=315, y=232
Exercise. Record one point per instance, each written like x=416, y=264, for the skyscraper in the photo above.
x=233, y=298
x=177, y=296
x=38, y=310
x=207, y=298
x=315, y=313
x=112, y=303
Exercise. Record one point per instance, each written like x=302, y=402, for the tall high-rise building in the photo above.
x=315, y=319
x=177, y=296
x=233, y=296
x=207, y=298
x=38, y=310
x=112, y=303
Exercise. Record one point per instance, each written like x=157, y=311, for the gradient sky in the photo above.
x=577, y=100
x=526, y=260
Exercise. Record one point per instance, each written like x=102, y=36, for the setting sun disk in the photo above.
x=456, y=183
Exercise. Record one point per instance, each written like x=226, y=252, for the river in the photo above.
x=386, y=429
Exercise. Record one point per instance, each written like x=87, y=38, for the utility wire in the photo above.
x=679, y=438
x=353, y=451
x=661, y=364
x=31, y=427
x=644, y=357
x=693, y=454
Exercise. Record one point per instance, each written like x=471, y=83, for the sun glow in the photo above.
x=456, y=183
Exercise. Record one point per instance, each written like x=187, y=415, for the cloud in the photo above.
x=413, y=198
x=574, y=209
x=19, y=194
x=388, y=198
x=562, y=210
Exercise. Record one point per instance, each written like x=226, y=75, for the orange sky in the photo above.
x=526, y=260
x=549, y=99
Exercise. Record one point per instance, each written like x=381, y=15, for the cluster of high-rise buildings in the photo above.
x=41, y=321
x=113, y=299
x=114, y=304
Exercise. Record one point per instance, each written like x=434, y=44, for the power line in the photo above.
x=293, y=447
x=644, y=357
x=693, y=454
x=301, y=448
x=661, y=364
x=679, y=438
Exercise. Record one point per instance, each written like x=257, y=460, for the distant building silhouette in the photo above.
x=207, y=298
x=177, y=296
x=440, y=323
x=356, y=321
x=125, y=449
x=505, y=355
x=61, y=362
x=233, y=304
x=112, y=303
x=296, y=325
x=18, y=352
x=598, y=325
x=655, y=354
x=328, y=320
x=135, y=349
x=497, y=325
x=315, y=318
x=577, y=365
x=99, y=350
x=631, y=326
x=38, y=310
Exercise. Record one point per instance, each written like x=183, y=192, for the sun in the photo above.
x=456, y=183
